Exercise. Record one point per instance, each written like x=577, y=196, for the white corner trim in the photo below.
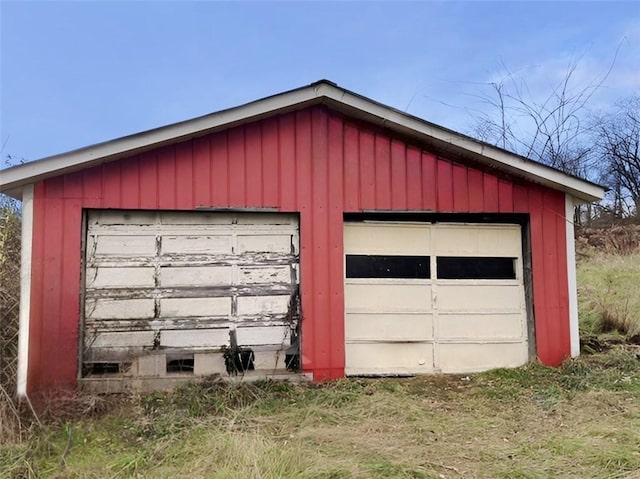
x=25, y=288
x=572, y=283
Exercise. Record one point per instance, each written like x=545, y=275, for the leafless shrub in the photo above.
x=621, y=239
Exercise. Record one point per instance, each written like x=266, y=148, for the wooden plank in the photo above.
x=264, y=274
x=249, y=305
x=119, y=308
x=115, y=245
x=388, y=358
x=194, y=338
x=195, y=276
x=120, y=277
x=255, y=336
x=387, y=298
x=180, y=307
x=388, y=327
x=197, y=244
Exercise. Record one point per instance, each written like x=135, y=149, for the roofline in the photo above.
x=322, y=92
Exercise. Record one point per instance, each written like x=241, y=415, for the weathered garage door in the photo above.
x=178, y=282
x=425, y=298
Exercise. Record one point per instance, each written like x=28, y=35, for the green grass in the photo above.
x=580, y=420
x=608, y=293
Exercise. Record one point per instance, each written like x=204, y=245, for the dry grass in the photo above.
x=608, y=295
x=581, y=420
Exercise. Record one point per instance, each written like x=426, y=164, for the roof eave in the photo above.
x=13, y=179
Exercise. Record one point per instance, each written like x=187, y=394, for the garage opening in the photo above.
x=465, y=312
x=163, y=291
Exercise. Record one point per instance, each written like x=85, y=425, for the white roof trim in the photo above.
x=12, y=179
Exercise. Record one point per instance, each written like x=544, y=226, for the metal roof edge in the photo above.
x=323, y=91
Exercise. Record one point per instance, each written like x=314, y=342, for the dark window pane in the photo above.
x=376, y=266
x=453, y=267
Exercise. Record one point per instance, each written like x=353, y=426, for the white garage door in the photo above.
x=180, y=281
x=423, y=298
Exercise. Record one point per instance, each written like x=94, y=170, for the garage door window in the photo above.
x=380, y=266
x=455, y=267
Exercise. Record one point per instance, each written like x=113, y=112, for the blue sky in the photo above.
x=77, y=73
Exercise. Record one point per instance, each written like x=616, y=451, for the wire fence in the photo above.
x=10, y=238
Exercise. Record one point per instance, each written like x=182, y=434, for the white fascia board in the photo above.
x=572, y=283
x=25, y=289
x=321, y=92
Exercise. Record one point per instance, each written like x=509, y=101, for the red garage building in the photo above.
x=315, y=230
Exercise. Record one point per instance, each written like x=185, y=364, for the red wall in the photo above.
x=314, y=162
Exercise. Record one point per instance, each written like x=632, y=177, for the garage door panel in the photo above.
x=187, y=277
x=386, y=239
x=197, y=244
x=265, y=274
x=390, y=358
x=265, y=243
x=132, y=245
x=479, y=297
x=268, y=305
x=470, y=306
x=481, y=326
x=189, y=307
x=105, y=308
x=474, y=357
x=120, y=339
x=260, y=335
x=196, y=276
x=114, y=217
x=387, y=297
x=120, y=277
x=488, y=240
x=391, y=327
x=194, y=338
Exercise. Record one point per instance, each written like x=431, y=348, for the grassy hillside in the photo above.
x=608, y=268
x=581, y=420
x=578, y=421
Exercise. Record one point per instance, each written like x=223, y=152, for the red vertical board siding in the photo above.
x=382, y=158
x=184, y=175
x=36, y=367
x=520, y=199
x=414, y=179
x=351, y=166
x=398, y=175
x=166, y=179
x=70, y=284
x=335, y=253
x=505, y=196
x=201, y=172
x=270, y=164
x=148, y=181
x=287, y=141
x=308, y=261
x=367, y=170
x=320, y=244
x=476, y=190
x=444, y=171
x=237, y=174
x=219, y=161
x=253, y=162
x=460, y=188
x=429, y=183
x=490, y=188
x=313, y=162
